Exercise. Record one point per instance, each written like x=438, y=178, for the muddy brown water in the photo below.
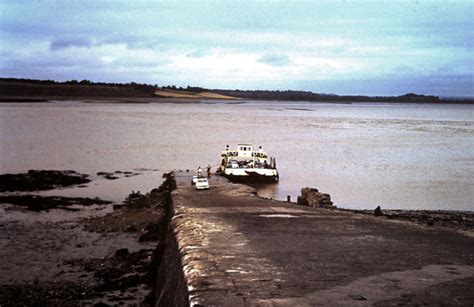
x=399, y=156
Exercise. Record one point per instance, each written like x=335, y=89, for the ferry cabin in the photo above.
x=246, y=157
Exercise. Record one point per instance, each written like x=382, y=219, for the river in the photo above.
x=398, y=156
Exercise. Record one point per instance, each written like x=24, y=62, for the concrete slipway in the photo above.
x=228, y=247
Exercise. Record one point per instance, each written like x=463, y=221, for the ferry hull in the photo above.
x=251, y=176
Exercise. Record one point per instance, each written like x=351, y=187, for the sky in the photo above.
x=338, y=47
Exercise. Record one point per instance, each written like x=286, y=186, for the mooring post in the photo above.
x=288, y=198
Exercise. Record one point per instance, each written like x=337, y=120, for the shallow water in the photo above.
x=406, y=156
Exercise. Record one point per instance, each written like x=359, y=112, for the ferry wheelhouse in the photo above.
x=248, y=164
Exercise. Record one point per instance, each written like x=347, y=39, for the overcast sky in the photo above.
x=350, y=47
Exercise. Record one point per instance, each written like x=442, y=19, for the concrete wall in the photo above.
x=171, y=287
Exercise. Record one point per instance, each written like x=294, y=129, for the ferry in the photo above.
x=248, y=164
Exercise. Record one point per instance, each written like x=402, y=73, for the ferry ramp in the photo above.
x=236, y=249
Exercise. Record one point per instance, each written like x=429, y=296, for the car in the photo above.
x=193, y=180
x=233, y=164
x=202, y=183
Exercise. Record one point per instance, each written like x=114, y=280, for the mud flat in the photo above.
x=59, y=251
x=225, y=246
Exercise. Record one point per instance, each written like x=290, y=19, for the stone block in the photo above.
x=312, y=198
x=307, y=190
x=301, y=201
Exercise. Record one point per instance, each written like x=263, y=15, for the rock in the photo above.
x=131, y=228
x=357, y=297
x=301, y=201
x=306, y=191
x=151, y=232
x=36, y=180
x=378, y=211
x=121, y=252
x=39, y=203
x=129, y=281
x=313, y=198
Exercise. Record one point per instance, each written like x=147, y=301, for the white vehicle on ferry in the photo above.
x=248, y=164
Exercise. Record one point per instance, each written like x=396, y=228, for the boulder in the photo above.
x=313, y=198
x=307, y=191
x=302, y=201
x=121, y=252
x=378, y=211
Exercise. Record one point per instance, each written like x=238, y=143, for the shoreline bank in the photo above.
x=236, y=100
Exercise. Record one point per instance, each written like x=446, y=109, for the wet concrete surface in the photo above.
x=239, y=249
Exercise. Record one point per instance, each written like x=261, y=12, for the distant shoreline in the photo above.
x=26, y=90
x=148, y=100
x=121, y=100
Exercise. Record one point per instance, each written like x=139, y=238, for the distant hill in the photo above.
x=310, y=96
x=84, y=88
x=48, y=88
x=196, y=92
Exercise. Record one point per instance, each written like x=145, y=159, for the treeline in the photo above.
x=310, y=96
x=86, y=88
x=29, y=87
x=194, y=89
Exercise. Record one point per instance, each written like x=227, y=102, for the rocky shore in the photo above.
x=459, y=220
x=78, y=251
x=37, y=180
x=41, y=203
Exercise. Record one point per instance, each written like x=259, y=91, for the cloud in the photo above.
x=275, y=59
x=242, y=44
x=62, y=43
x=198, y=53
